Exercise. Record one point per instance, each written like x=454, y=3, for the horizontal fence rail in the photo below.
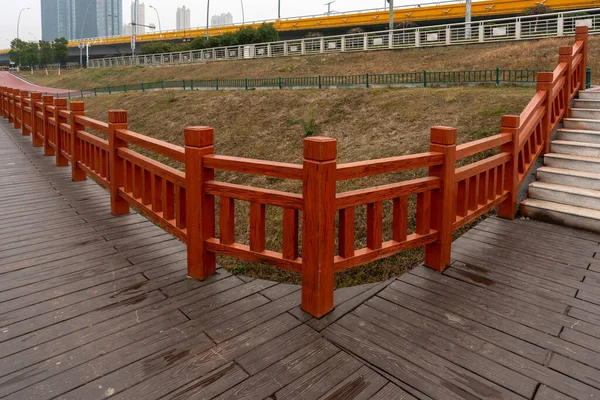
x=488, y=31
x=455, y=192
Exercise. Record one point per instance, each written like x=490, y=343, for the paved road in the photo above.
x=9, y=80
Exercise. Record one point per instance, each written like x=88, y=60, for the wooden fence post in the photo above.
x=2, y=112
x=47, y=101
x=17, y=109
x=24, y=95
x=508, y=208
x=59, y=104
x=77, y=174
x=318, y=229
x=544, y=83
x=35, y=140
x=581, y=34
x=564, y=55
x=437, y=254
x=199, y=142
x=117, y=119
x=11, y=105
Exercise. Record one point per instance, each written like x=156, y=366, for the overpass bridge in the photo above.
x=338, y=23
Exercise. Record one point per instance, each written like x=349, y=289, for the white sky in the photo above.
x=255, y=10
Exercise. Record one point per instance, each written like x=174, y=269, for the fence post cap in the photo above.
x=582, y=30
x=565, y=50
x=117, y=116
x=47, y=99
x=60, y=102
x=36, y=95
x=199, y=136
x=511, y=121
x=444, y=135
x=77, y=106
x=320, y=148
x=545, y=76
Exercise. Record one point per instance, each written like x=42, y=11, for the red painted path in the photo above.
x=9, y=80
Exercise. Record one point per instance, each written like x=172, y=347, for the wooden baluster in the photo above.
x=157, y=194
x=290, y=234
x=544, y=83
x=137, y=182
x=11, y=105
x=462, y=198
x=257, y=227
x=375, y=225
x=35, y=126
x=24, y=95
x=564, y=56
x=227, y=220
x=117, y=119
x=491, y=190
x=199, y=142
x=59, y=104
x=473, y=199
x=508, y=208
x=581, y=34
x=423, y=213
x=146, y=187
x=318, y=227
x=399, y=218
x=437, y=254
x=483, y=187
x=18, y=109
x=346, y=232
x=168, y=199
x=46, y=102
x=180, y=207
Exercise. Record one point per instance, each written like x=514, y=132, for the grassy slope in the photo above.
x=368, y=124
x=542, y=54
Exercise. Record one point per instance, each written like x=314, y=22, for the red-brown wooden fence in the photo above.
x=184, y=203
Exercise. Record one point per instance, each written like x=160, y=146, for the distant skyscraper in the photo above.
x=223, y=19
x=77, y=19
x=138, y=16
x=183, y=18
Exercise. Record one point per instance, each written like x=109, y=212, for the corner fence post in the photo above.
x=35, y=140
x=544, y=83
x=117, y=119
x=47, y=101
x=508, y=208
x=581, y=34
x=59, y=104
x=199, y=142
x=318, y=229
x=77, y=109
x=565, y=56
x=24, y=95
x=437, y=254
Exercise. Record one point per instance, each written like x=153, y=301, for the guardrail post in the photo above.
x=565, y=56
x=497, y=76
x=424, y=78
x=544, y=83
x=560, y=25
x=77, y=109
x=437, y=254
x=35, y=140
x=508, y=208
x=24, y=94
x=518, y=29
x=199, y=142
x=59, y=104
x=117, y=119
x=581, y=34
x=318, y=229
x=47, y=101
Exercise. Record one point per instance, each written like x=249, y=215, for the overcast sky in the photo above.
x=255, y=10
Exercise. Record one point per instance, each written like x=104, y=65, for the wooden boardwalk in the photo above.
x=94, y=306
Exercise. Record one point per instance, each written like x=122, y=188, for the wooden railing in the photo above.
x=184, y=203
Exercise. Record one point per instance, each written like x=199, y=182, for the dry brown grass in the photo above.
x=368, y=124
x=536, y=55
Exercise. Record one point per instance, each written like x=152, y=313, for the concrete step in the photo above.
x=575, y=148
x=581, y=123
x=589, y=95
x=579, y=135
x=569, y=161
x=561, y=214
x=569, y=177
x=585, y=113
x=569, y=195
x=587, y=103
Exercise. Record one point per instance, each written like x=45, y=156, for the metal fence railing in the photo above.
x=496, y=30
x=408, y=79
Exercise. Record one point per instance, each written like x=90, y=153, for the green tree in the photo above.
x=61, y=51
x=31, y=54
x=17, y=51
x=46, y=52
x=267, y=33
x=156, y=48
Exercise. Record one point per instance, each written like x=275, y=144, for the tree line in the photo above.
x=245, y=35
x=42, y=53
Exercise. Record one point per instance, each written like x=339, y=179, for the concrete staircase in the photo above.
x=567, y=190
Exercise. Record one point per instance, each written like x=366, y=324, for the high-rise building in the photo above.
x=80, y=19
x=223, y=19
x=138, y=17
x=183, y=18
